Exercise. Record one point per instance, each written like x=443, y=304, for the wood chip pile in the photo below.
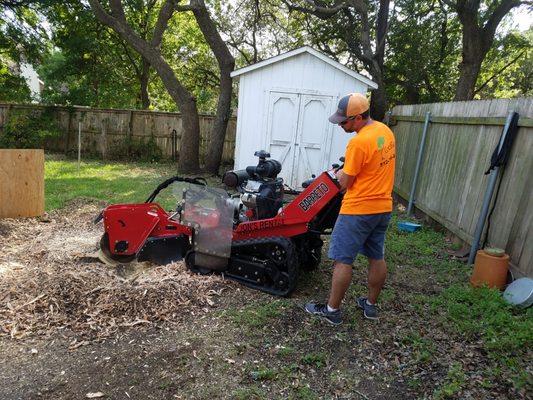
x=50, y=279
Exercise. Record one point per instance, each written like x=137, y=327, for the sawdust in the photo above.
x=51, y=280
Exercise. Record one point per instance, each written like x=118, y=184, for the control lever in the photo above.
x=338, y=167
x=308, y=181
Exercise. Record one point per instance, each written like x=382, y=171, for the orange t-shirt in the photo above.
x=370, y=157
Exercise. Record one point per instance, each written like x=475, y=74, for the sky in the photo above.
x=523, y=18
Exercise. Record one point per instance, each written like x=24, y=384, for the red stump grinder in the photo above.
x=254, y=236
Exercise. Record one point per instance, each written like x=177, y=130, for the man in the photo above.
x=367, y=177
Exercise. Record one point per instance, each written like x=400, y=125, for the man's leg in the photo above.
x=374, y=249
x=377, y=273
x=346, y=239
x=342, y=277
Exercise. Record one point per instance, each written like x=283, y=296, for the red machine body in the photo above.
x=133, y=224
x=266, y=253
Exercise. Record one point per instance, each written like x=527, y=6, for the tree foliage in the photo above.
x=418, y=51
x=422, y=54
x=479, y=22
x=13, y=88
x=508, y=68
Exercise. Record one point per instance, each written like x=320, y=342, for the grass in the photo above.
x=465, y=313
x=303, y=393
x=317, y=360
x=455, y=379
x=264, y=374
x=423, y=348
x=481, y=314
x=285, y=352
x=258, y=315
x=111, y=182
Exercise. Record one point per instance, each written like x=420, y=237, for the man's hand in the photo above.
x=344, y=179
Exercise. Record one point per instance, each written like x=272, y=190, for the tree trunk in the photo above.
x=473, y=54
x=378, y=97
x=190, y=141
x=378, y=103
x=218, y=134
x=466, y=86
x=145, y=75
x=226, y=63
x=412, y=93
x=477, y=40
x=189, y=144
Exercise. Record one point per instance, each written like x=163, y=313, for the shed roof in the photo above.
x=310, y=50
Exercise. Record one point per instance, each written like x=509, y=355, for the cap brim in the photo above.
x=336, y=118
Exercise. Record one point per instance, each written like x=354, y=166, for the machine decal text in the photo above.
x=314, y=196
x=257, y=225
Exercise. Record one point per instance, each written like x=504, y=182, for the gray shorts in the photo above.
x=354, y=234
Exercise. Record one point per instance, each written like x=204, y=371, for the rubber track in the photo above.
x=291, y=263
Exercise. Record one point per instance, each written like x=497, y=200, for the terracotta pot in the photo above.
x=490, y=270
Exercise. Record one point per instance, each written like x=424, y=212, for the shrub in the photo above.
x=29, y=129
x=136, y=149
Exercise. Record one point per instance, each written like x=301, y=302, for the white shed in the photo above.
x=284, y=105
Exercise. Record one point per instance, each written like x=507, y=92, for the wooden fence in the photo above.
x=103, y=130
x=451, y=183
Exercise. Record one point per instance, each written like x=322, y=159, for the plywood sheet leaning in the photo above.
x=21, y=183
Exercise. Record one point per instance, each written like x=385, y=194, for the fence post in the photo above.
x=386, y=120
x=79, y=145
x=69, y=127
x=174, y=144
x=130, y=132
x=418, y=162
x=103, y=139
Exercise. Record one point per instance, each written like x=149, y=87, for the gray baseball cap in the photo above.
x=349, y=106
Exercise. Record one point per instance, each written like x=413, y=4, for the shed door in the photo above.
x=312, y=137
x=281, y=130
x=299, y=134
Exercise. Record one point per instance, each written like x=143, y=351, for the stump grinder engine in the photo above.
x=254, y=236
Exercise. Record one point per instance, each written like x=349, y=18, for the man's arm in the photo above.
x=345, y=180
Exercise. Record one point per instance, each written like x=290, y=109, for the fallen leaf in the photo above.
x=94, y=395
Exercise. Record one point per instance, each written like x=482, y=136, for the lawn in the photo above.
x=437, y=337
x=111, y=182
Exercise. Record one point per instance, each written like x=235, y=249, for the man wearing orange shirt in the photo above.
x=368, y=178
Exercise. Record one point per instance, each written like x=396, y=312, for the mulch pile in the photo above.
x=51, y=279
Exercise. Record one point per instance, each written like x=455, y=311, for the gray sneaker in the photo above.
x=321, y=310
x=369, y=310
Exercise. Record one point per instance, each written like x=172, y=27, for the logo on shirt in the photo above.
x=381, y=142
x=385, y=151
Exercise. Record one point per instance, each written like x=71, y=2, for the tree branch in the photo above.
x=382, y=29
x=167, y=9
x=497, y=15
x=321, y=11
x=212, y=36
x=117, y=10
x=130, y=58
x=499, y=72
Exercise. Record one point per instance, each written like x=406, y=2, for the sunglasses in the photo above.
x=342, y=123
